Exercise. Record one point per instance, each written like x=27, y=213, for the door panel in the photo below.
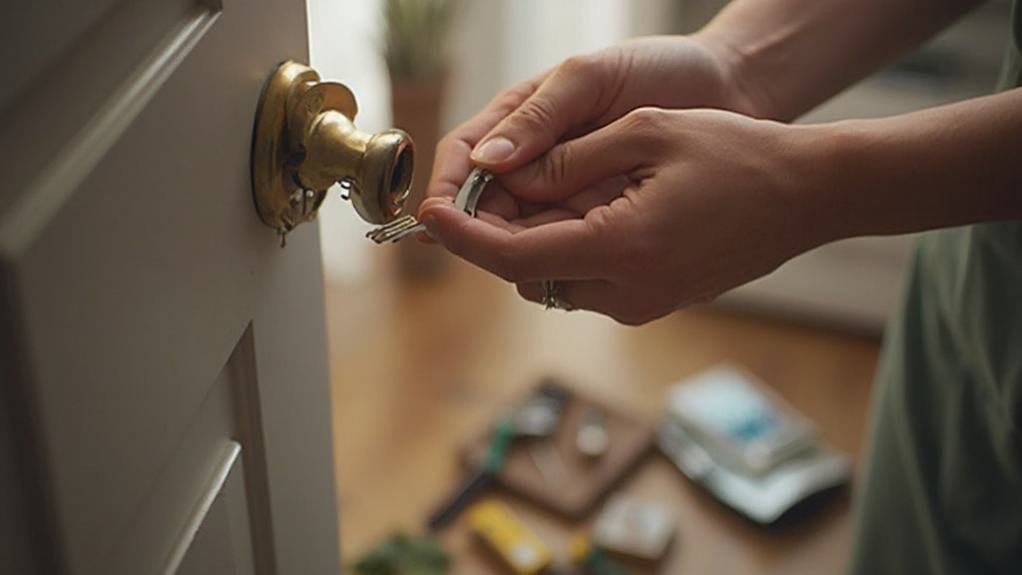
x=65, y=22
x=154, y=319
x=66, y=112
x=217, y=541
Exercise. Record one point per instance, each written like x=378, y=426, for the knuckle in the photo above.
x=578, y=65
x=646, y=123
x=510, y=99
x=629, y=318
x=526, y=292
x=555, y=166
x=454, y=244
x=638, y=315
x=604, y=229
x=543, y=175
x=586, y=66
x=507, y=265
x=456, y=240
x=444, y=145
x=535, y=115
x=600, y=221
x=449, y=147
x=647, y=115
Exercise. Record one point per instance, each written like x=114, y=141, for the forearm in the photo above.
x=953, y=165
x=791, y=55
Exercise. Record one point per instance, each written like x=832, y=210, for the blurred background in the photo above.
x=425, y=349
x=496, y=43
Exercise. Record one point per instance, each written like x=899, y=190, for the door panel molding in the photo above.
x=248, y=431
x=28, y=525
x=149, y=319
x=217, y=480
x=183, y=482
x=123, y=79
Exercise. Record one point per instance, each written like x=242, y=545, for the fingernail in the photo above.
x=494, y=150
x=431, y=228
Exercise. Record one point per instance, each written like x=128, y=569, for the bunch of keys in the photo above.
x=466, y=201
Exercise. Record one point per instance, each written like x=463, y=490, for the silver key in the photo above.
x=395, y=230
x=466, y=200
x=471, y=190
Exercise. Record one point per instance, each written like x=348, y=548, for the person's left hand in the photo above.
x=655, y=211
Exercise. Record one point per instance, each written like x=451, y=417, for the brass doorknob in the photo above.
x=305, y=141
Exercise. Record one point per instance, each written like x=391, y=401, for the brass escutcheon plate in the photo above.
x=305, y=141
x=280, y=200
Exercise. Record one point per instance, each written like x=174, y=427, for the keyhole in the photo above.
x=400, y=177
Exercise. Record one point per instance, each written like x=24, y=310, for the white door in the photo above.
x=164, y=405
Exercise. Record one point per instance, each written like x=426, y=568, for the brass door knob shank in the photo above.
x=305, y=141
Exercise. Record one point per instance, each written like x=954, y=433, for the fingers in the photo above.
x=547, y=216
x=598, y=296
x=599, y=194
x=451, y=164
x=572, y=95
x=565, y=249
x=593, y=295
x=614, y=153
x=498, y=201
x=495, y=204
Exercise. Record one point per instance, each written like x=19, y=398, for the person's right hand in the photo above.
x=710, y=200
x=581, y=95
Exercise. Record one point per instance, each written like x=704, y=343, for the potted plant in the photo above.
x=416, y=49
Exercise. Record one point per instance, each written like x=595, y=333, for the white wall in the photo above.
x=334, y=26
x=542, y=33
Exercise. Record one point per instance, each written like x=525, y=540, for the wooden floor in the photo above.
x=418, y=368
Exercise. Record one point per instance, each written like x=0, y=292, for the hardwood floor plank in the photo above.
x=417, y=369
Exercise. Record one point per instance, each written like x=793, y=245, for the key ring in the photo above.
x=466, y=201
x=552, y=296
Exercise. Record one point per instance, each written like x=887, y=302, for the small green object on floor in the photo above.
x=598, y=563
x=403, y=554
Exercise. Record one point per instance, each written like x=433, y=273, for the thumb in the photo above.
x=570, y=167
x=569, y=97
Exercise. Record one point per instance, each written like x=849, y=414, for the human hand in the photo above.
x=657, y=210
x=582, y=94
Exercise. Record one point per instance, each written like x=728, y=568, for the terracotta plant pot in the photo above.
x=417, y=107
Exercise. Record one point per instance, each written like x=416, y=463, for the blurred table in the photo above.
x=419, y=368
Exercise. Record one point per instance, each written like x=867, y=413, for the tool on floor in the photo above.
x=500, y=441
x=539, y=415
x=401, y=554
x=529, y=475
x=592, y=558
x=634, y=528
x=537, y=420
x=507, y=537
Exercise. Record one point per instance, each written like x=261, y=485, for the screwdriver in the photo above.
x=476, y=481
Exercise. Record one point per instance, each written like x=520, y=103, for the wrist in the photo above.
x=825, y=164
x=745, y=95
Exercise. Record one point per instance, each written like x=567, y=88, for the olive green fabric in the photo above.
x=942, y=488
